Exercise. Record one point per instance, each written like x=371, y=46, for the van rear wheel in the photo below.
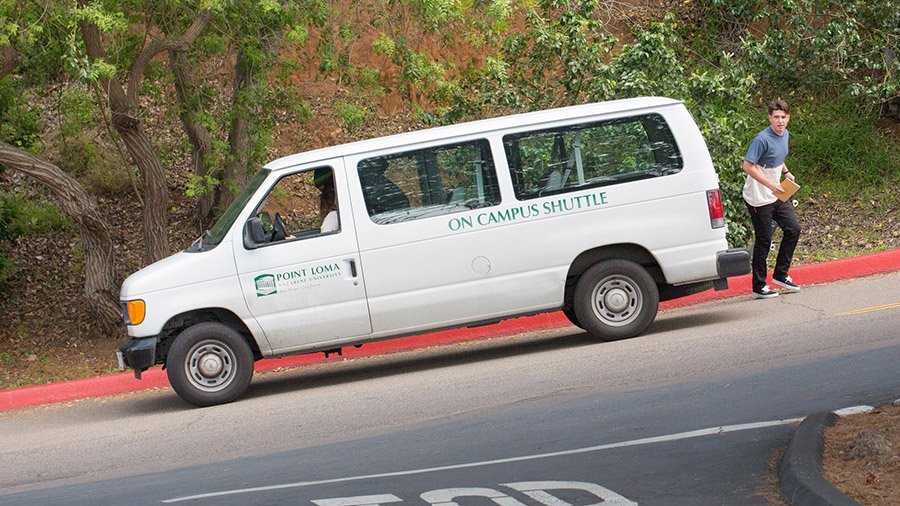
x=615, y=299
x=209, y=363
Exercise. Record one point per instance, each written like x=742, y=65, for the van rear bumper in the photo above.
x=733, y=262
x=138, y=354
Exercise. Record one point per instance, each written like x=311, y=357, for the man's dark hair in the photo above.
x=778, y=105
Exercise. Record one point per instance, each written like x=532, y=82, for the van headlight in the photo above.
x=135, y=310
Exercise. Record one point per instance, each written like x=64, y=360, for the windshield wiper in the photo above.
x=197, y=245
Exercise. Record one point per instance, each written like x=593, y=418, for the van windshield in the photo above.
x=212, y=237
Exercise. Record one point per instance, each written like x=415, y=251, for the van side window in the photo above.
x=299, y=205
x=546, y=162
x=429, y=182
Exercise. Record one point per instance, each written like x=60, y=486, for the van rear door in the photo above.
x=306, y=288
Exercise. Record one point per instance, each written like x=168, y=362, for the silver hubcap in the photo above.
x=617, y=300
x=210, y=365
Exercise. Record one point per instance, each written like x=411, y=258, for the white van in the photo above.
x=599, y=210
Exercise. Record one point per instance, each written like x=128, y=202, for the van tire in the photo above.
x=615, y=299
x=573, y=318
x=209, y=363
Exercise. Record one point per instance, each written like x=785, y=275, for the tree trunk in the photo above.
x=100, y=283
x=126, y=118
x=238, y=135
x=9, y=60
x=237, y=168
x=154, y=186
x=185, y=89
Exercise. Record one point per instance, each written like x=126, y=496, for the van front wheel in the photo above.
x=616, y=299
x=209, y=363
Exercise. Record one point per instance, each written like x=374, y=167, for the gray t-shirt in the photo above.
x=768, y=149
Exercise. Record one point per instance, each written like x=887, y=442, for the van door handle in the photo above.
x=352, y=263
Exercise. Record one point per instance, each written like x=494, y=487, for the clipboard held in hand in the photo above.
x=790, y=188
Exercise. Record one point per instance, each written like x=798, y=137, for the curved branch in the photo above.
x=100, y=276
x=136, y=75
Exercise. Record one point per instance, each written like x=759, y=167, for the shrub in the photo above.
x=20, y=216
x=837, y=145
x=19, y=124
x=352, y=115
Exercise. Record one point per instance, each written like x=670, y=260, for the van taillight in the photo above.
x=716, y=211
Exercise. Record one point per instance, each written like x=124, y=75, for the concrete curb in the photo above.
x=802, y=481
x=118, y=383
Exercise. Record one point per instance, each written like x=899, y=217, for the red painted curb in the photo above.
x=826, y=272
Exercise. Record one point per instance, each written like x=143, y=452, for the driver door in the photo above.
x=303, y=281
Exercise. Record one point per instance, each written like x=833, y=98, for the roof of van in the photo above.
x=460, y=129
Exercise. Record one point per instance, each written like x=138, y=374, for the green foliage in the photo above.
x=827, y=47
x=197, y=186
x=20, y=125
x=78, y=148
x=351, y=114
x=113, y=20
x=836, y=148
x=256, y=32
x=407, y=32
x=563, y=54
x=570, y=40
x=20, y=216
x=77, y=110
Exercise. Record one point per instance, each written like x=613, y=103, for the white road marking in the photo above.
x=537, y=490
x=623, y=444
x=445, y=496
x=366, y=500
x=853, y=410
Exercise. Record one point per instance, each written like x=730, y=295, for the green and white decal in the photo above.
x=299, y=278
x=561, y=205
x=265, y=285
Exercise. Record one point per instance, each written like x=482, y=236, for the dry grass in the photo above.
x=862, y=456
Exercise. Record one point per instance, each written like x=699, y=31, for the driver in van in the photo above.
x=327, y=200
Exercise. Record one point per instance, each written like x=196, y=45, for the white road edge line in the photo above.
x=636, y=442
x=853, y=410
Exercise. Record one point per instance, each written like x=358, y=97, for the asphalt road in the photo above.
x=692, y=412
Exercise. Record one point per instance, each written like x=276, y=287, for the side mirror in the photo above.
x=255, y=233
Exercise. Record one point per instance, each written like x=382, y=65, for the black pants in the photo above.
x=783, y=214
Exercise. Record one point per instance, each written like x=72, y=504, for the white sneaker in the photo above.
x=787, y=283
x=765, y=293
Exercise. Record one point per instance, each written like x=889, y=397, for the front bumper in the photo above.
x=138, y=354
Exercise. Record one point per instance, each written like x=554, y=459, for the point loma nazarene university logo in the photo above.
x=265, y=285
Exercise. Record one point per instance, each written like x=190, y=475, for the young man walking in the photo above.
x=764, y=165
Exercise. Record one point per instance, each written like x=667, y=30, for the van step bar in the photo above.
x=339, y=351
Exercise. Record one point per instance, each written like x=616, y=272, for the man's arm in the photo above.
x=787, y=173
x=754, y=172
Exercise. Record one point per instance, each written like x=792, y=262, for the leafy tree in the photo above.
x=826, y=48
x=254, y=32
x=121, y=78
x=19, y=34
x=415, y=35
